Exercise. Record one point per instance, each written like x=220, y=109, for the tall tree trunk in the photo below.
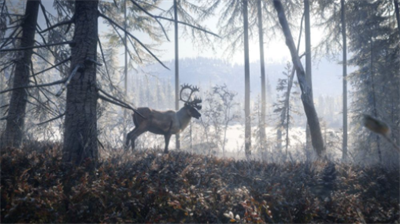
x=307, y=29
x=125, y=73
x=16, y=114
x=80, y=134
x=375, y=111
x=286, y=112
x=287, y=128
x=176, y=66
x=343, y=20
x=263, y=136
x=396, y=9
x=247, y=134
x=306, y=96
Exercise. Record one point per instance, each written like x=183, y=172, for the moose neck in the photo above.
x=183, y=117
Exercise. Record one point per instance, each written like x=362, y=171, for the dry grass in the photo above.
x=182, y=187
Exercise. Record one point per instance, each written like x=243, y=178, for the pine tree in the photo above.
x=13, y=133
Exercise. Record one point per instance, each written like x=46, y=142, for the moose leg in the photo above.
x=167, y=137
x=129, y=140
x=132, y=136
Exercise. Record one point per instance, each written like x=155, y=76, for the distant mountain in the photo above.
x=208, y=71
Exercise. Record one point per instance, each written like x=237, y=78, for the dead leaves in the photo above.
x=182, y=187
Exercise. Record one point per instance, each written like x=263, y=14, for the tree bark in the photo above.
x=374, y=106
x=246, y=80
x=343, y=20
x=307, y=29
x=286, y=112
x=80, y=133
x=125, y=74
x=16, y=114
x=306, y=95
x=176, y=66
x=263, y=136
x=396, y=9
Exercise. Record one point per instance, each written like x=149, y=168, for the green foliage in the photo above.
x=182, y=187
x=376, y=54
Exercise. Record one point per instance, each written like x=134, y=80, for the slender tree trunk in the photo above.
x=287, y=128
x=16, y=114
x=125, y=74
x=306, y=96
x=263, y=136
x=343, y=18
x=286, y=112
x=80, y=134
x=396, y=9
x=375, y=112
x=246, y=80
x=308, y=59
x=176, y=66
x=279, y=138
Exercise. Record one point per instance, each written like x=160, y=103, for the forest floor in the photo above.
x=150, y=186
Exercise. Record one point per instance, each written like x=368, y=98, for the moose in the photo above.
x=165, y=123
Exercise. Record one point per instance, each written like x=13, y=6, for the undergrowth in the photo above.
x=149, y=186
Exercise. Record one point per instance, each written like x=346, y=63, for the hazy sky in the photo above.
x=275, y=49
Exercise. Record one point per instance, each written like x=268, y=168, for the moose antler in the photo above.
x=196, y=102
x=192, y=88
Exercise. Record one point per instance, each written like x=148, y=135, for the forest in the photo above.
x=200, y=111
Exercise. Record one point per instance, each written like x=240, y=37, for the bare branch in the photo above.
x=6, y=105
x=98, y=141
x=117, y=102
x=43, y=104
x=45, y=42
x=9, y=27
x=130, y=41
x=162, y=10
x=102, y=55
x=33, y=47
x=128, y=33
x=13, y=14
x=93, y=61
x=68, y=22
x=113, y=102
x=62, y=62
x=45, y=15
x=44, y=59
x=120, y=104
x=69, y=79
x=135, y=49
x=52, y=119
x=190, y=25
x=33, y=86
x=6, y=67
x=10, y=37
x=172, y=20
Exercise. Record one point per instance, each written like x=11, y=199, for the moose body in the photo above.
x=164, y=123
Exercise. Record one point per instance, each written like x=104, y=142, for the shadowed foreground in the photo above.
x=182, y=187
